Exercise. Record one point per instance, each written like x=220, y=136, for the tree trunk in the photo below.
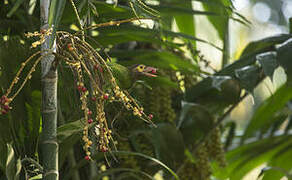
x=49, y=78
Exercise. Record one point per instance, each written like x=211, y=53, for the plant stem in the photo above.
x=49, y=78
x=226, y=46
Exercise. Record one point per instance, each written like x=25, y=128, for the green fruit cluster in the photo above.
x=215, y=147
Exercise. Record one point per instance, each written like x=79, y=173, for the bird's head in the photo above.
x=141, y=69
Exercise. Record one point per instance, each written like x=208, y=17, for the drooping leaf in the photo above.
x=219, y=22
x=181, y=9
x=56, y=12
x=268, y=62
x=284, y=54
x=244, y=158
x=185, y=22
x=13, y=164
x=248, y=76
x=125, y=33
x=281, y=162
x=205, y=87
x=15, y=7
x=264, y=45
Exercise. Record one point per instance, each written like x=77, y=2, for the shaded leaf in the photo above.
x=15, y=7
x=194, y=123
x=205, y=87
x=268, y=62
x=168, y=144
x=248, y=77
x=264, y=114
x=284, y=58
x=124, y=33
x=158, y=59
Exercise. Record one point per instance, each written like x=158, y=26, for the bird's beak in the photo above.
x=150, y=71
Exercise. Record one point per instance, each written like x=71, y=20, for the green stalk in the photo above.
x=49, y=78
x=226, y=46
x=290, y=25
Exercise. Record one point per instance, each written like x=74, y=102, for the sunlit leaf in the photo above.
x=264, y=45
x=13, y=164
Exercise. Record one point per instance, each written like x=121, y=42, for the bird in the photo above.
x=127, y=76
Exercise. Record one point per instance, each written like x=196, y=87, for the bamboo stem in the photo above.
x=49, y=78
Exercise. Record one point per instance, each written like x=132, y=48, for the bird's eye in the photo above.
x=140, y=68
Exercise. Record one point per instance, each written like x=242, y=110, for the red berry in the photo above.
x=87, y=158
x=3, y=111
x=150, y=116
x=105, y=96
x=84, y=89
x=89, y=112
x=100, y=69
x=93, y=98
x=69, y=46
x=4, y=99
x=103, y=149
x=6, y=107
x=90, y=121
x=42, y=31
x=153, y=71
x=79, y=88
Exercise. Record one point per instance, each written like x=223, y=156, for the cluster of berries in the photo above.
x=4, y=105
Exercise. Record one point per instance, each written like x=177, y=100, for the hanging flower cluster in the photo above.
x=94, y=81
